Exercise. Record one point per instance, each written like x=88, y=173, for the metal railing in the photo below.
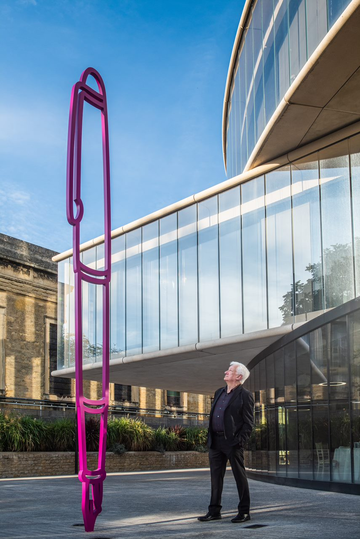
x=49, y=409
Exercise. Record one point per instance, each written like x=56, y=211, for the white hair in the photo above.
x=241, y=369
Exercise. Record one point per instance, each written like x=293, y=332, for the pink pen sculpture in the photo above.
x=92, y=480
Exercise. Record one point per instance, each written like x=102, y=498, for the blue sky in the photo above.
x=164, y=64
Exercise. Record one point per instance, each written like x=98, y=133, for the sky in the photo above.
x=164, y=64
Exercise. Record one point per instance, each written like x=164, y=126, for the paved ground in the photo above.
x=166, y=504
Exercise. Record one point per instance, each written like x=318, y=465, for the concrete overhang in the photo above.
x=324, y=96
x=196, y=368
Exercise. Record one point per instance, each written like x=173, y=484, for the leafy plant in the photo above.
x=133, y=433
x=61, y=435
x=165, y=440
x=22, y=433
x=92, y=426
x=196, y=436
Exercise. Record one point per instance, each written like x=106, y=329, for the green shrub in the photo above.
x=165, y=440
x=134, y=434
x=92, y=426
x=61, y=435
x=22, y=433
x=180, y=433
x=195, y=437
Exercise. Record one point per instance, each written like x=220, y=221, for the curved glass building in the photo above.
x=275, y=40
x=263, y=268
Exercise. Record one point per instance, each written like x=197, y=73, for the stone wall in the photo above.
x=35, y=464
x=28, y=303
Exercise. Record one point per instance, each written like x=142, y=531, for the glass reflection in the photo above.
x=150, y=286
x=307, y=239
x=117, y=298
x=279, y=37
x=316, y=23
x=354, y=355
x=303, y=370
x=63, y=315
x=230, y=263
x=253, y=256
x=168, y=282
x=340, y=443
x=354, y=148
x=305, y=443
x=279, y=247
x=336, y=233
x=133, y=293
x=311, y=430
x=89, y=310
x=208, y=254
x=321, y=443
x=188, y=303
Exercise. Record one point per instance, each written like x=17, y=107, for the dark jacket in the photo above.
x=238, y=416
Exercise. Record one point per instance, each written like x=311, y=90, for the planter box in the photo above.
x=34, y=464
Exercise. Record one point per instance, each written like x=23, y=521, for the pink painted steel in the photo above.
x=92, y=480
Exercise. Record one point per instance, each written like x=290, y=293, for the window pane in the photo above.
x=303, y=368
x=316, y=23
x=321, y=443
x=354, y=323
x=269, y=59
x=188, y=312
x=270, y=379
x=243, y=108
x=173, y=398
x=292, y=442
x=133, y=292
x=63, y=315
x=249, y=61
x=281, y=52
x=117, y=298
x=290, y=374
x=307, y=238
x=258, y=88
x=99, y=290
x=339, y=367
x=168, y=282
x=305, y=443
x=319, y=364
x=208, y=270
x=279, y=246
x=337, y=235
x=354, y=144
x=230, y=263
x=297, y=37
x=89, y=297
x=150, y=254
x=254, y=267
x=335, y=8
x=340, y=443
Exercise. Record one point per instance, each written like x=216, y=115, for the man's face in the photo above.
x=231, y=376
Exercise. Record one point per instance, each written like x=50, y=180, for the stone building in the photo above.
x=28, y=339
x=28, y=310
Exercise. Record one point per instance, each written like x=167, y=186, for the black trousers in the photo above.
x=220, y=452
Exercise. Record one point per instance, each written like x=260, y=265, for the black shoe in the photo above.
x=241, y=517
x=209, y=516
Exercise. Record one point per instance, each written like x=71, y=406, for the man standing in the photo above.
x=230, y=425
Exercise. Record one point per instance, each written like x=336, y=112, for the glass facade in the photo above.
x=265, y=253
x=307, y=402
x=279, y=38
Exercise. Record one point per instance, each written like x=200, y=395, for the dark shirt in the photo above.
x=217, y=423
